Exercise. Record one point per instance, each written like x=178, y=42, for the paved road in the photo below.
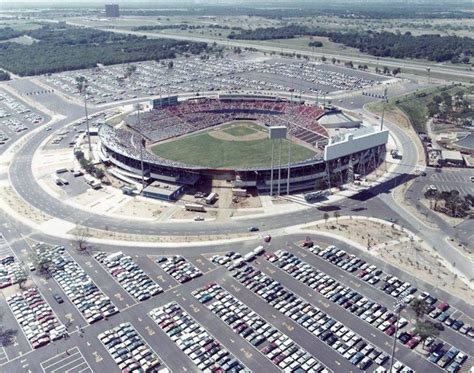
x=404, y=64
x=378, y=202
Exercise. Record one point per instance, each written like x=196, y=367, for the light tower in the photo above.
x=276, y=133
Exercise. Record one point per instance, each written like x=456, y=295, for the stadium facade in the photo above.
x=345, y=150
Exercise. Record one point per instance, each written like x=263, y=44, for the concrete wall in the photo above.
x=352, y=144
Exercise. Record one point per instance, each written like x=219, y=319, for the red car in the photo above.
x=390, y=330
x=412, y=343
x=443, y=306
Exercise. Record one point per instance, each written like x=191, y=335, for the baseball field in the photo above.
x=237, y=144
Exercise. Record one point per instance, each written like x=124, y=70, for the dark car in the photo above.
x=253, y=229
x=58, y=298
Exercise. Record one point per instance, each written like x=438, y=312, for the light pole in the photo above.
x=399, y=305
x=82, y=85
x=383, y=108
x=142, y=145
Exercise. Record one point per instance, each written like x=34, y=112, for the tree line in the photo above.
x=4, y=76
x=432, y=47
x=76, y=48
x=9, y=33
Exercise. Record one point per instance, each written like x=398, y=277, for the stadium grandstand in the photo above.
x=328, y=156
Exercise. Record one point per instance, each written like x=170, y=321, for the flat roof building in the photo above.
x=112, y=10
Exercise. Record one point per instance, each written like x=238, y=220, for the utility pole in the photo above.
x=398, y=309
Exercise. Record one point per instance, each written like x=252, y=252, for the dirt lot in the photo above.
x=182, y=213
x=396, y=247
x=140, y=209
x=15, y=202
x=102, y=234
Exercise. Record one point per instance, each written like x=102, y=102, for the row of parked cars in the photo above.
x=35, y=317
x=443, y=313
x=93, y=304
x=179, y=268
x=129, y=275
x=450, y=359
x=129, y=351
x=276, y=346
x=10, y=271
x=375, y=314
x=389, y=284
x=203, y=350
x=340, y=338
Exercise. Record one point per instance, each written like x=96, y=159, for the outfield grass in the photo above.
x=201, y=149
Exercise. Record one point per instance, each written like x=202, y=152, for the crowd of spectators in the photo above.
x=194, y=115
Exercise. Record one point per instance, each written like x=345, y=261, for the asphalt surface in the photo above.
x=90, y=354
x=377, y=202
x=87, y=349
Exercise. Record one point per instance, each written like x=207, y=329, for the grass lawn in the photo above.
x=414, y=106
x=201, y=149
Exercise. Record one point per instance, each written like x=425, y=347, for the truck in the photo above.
x=94, y=183
x=211, y=198
x=194, y=207
x=249, y=256
x=313, y=196
x=258, y=250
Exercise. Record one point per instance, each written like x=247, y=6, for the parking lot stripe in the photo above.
x=62, y=362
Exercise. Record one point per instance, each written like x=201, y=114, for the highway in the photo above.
x=359, y=59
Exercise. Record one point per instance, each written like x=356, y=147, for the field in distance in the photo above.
x=238, y=144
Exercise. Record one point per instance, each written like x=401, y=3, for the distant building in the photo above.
x=112, y=10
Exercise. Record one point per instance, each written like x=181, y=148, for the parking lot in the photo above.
x=267, y=315
x=16, y=118
x=70, y=361
x=447, y=180
x=244, y=72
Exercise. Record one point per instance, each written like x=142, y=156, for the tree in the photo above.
x=323, y=58
x=170, y=65
x=81, y=237
x=21, y=279
x=419, y=306
x=130, y=70
x=336, y=216
x=425, y=329
x=7, y=336
x=333, y=60
x=326, y=218
x=396, y=71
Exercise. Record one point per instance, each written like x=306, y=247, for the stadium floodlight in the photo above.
x=276, y=133
x=142, y=146
x=82, y=85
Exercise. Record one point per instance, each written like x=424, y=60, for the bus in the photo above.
x=194, y=207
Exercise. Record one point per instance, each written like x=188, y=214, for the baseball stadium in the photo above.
x=265, y=142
